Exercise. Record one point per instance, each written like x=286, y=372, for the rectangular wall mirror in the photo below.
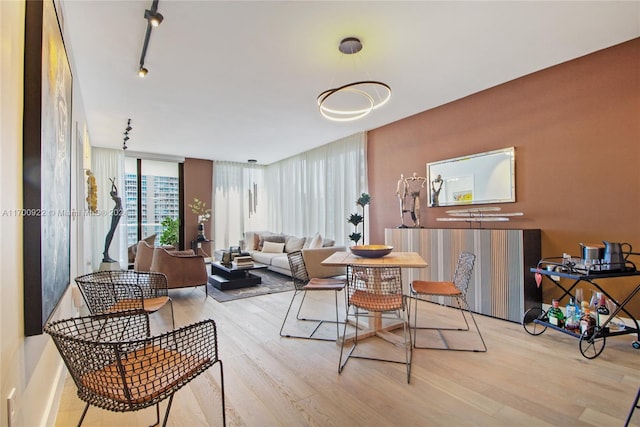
x=475, y=179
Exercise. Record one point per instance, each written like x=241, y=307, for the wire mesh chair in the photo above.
x=122, y=290
x=457, y=290
x=116, y=365
x=303, y=284
x=376, y=291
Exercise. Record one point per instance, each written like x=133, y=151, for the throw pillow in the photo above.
x=316, y=242
x=270, y=237
x=272, y=247
x=328, y=242
x=294, y=244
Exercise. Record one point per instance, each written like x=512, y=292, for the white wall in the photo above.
x=30, y=365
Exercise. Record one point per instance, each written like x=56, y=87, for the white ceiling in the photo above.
x=234, y=80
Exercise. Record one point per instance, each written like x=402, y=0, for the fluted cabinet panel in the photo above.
x=502, y=285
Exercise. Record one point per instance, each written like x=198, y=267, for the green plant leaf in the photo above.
x=364, y=199
x=355, y=219
x=169, y=235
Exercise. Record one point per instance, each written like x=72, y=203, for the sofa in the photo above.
x=271, y=249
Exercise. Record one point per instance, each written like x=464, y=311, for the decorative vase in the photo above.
x=201, y=235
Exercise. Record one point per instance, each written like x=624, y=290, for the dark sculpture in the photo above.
x=435, y=192
x=115, y=218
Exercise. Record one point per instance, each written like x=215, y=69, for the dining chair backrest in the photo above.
x=102, y=290
x=298, y=269
x=375, y=288
x=464, y=270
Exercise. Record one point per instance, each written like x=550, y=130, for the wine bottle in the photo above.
x=602, y=310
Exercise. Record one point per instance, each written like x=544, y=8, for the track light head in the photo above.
x=142, y=71
x=154, y=18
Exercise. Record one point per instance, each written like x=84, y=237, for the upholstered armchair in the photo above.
x=144, y=256
x=182, y=268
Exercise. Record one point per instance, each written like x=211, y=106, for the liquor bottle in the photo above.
x=572, y=316
x=556, y=317
x=602, y=310
x=587, y=321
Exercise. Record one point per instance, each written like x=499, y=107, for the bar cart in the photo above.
x=592, y=341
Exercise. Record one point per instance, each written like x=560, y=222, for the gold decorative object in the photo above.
x=92, y=192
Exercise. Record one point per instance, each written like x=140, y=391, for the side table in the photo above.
x=196, y=246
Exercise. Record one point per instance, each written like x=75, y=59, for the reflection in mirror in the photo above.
x=476, y=179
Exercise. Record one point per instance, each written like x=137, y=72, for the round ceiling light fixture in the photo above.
x=355, y=100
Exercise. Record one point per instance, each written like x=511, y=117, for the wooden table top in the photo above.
x=394, y=259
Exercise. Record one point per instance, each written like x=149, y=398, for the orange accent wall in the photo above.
x=576, y=131
x=197, y=183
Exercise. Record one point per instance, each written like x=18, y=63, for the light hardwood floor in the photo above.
x=522, y=380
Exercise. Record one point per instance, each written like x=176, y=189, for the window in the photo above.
x=152, y=198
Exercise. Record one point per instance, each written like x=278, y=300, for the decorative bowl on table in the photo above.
x=371, y=251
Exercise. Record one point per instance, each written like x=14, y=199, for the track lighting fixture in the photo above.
x=126, y=134
x=154, y=18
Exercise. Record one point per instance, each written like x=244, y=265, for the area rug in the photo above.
x=271, y=283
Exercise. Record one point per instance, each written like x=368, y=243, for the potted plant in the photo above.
x=356, y=218
x=199, y=208
x=169, y=235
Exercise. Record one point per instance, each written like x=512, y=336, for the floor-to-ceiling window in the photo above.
x=152, y=193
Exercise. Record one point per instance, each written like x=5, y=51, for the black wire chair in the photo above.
x=124, y=290
x=376, y=291
x=303, y=284
x=456, y=289
x=116, y=364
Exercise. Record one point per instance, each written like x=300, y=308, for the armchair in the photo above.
x=144, y=256
x=182, y=268
x=124, y=290
x=116, y=365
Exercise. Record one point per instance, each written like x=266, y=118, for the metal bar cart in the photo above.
x=592, y=341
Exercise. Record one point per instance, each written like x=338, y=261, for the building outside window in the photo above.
x=158, y=193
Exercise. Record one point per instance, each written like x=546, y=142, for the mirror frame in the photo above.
x=482, y=178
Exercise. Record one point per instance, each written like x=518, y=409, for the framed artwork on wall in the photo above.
x=46, y=165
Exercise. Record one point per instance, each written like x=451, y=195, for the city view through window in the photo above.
x=159, y=194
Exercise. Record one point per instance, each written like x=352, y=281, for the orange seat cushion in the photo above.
x=150, y=304
x=325, y=285
x=435, y=288
x=144, y=374
x=376, y=302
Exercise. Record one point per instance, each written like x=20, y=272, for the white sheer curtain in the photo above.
x=108, y=164
x=317, y=190
x=304, y=194
x=238, y=202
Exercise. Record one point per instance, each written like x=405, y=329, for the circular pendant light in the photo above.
x=355, y=100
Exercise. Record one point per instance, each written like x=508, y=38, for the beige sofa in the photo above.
x=271, y=249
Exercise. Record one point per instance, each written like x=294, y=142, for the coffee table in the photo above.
x=226, y=277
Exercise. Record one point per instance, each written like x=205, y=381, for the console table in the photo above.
x=502, y=285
